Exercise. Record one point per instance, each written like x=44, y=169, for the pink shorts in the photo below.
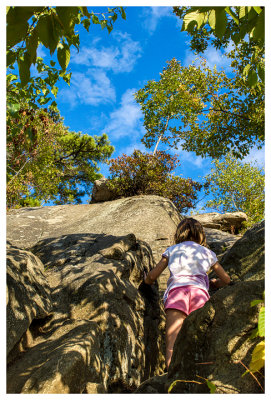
x=186, y=298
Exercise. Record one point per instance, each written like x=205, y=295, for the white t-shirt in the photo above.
x=188, y=263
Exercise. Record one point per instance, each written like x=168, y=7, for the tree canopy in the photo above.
x=222, y=25
x=46, y=161
x=202, y=110
x=237, y=186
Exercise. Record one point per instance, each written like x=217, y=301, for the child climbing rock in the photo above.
x=189, y=261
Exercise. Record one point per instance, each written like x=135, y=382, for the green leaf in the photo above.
x=212, y=19
x=258, y=357
x=13, y=108
x=11, y=57
x=258, y=31
x=232, y=14
x=193, y=18
x=86, y=24
x=24, y=68
x=109, y=28
x=54, y=90
x=44, y=27
x=52, y=63
x=211, y=386
x=242, y=11
x=67, y=16
x=84, y=11
x=252, y=78
x=63, y=55
x=261, y=322
x=246, y=70
x=255, y=302
x=123, y=14
x=32, y=45
x=95, y=19
x=258, y=9
x=261, y=72
x=221, y=22
x=16, y=33
x=44, y=100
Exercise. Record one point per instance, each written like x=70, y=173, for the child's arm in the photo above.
x=156, y=271
x=223, y=278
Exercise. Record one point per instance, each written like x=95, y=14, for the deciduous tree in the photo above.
x=202, y=110
x=237, y=186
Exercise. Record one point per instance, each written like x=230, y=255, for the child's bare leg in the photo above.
x=174, y=321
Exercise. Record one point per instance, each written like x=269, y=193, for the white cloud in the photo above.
x=126, y=121
x=153, y=15
x=93, y=87
x=120, y=57
x=256, y=156
x=212, y=56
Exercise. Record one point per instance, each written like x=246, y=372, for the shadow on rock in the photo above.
x=103, y=335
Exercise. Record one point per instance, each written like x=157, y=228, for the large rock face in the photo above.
x=104, y=333
x=104, y=326
x=150, y=218
x=82, y=322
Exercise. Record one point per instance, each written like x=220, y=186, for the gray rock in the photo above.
x=152, y=219
x=245, y=260
x=105, y=332
x=220, y=241
x=229, y=222
x=28, y=293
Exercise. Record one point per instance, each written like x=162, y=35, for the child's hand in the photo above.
x=213, y=283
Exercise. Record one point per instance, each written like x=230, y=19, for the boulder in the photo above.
x=28, y=293
x=220, y=241
x=245, y=260
x=152, y=219
x=104, y=334
x=228, y=222
x=101, y=191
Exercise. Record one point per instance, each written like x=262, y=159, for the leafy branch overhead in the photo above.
x=54, y=28
x=202, y=110
x=220, y=25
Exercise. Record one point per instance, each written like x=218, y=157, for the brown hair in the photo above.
x=190, y=229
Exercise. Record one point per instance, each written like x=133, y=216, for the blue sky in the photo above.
x=110, y=67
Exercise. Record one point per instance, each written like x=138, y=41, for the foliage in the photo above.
x=45, y=161
x=221, y=25
x=54, y=28
x=143, y=173
x=237, y=186
x=202, y=109
x=258, y=354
